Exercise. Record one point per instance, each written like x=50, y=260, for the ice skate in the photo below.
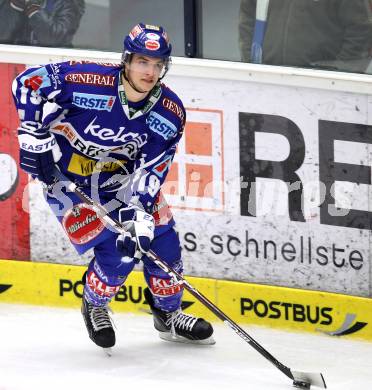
x=180, y=327
x=98, y=323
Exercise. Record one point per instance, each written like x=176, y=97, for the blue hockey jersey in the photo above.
x=105, y=141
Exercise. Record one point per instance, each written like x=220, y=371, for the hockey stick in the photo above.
x=302, y=380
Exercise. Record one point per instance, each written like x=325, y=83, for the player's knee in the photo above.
x=150, y=268
x=111, y=261
x=167, y=246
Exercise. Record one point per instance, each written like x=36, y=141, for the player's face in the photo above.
x=145, y=71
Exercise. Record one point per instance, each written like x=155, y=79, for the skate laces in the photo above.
x=100, y=317
x=180, y=320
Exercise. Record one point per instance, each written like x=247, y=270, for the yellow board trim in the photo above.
x=60, y=285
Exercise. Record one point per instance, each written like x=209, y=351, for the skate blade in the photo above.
x=167, y=336
x=107, y=351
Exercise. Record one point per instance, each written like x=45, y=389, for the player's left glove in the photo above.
x=137, y=239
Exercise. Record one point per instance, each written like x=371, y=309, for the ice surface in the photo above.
x=48, y=348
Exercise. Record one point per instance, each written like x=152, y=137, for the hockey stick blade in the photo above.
x=300, y=379
x=310, y=378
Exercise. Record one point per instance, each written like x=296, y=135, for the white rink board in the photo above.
x=220, y=91
x=304, y=106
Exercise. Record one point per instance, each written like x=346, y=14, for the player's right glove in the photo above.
x=137, y=239
x=38, y=153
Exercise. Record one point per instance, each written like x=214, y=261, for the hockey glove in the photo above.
x=38, y=153
x=138, y=237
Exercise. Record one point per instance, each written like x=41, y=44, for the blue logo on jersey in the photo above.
x=161, y=125
x=93, y=102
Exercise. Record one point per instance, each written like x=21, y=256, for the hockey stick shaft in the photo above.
x=103, y=214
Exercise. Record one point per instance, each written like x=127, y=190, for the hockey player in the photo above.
x=113, y=130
